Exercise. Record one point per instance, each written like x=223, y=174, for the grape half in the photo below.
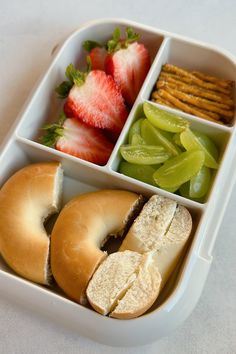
x=154, y=136
x=190, y=142
x=200, y=183
x=207, y=143
x=143, y=173
x=135, y=129
x=164, y=120
x=179, y=169
x=137, y=139
x=144, y=154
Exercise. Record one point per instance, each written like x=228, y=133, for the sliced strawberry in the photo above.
x=97, y=54
x=97, y=57
x=97, y=101
x=78, y=139
x=128, y=62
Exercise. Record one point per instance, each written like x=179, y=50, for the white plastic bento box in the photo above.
x=22, y=147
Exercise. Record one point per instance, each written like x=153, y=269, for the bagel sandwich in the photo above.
x=126, y=289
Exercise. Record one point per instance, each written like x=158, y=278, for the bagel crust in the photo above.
x=26, y=199
x=80, y=230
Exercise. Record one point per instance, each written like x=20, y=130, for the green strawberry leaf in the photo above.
x=116, y=34
x=63, y=89
x=75, y=76
x=114, y=44
x=89, y=45
x=89, y=63
x=131, y=36
x=53, y=131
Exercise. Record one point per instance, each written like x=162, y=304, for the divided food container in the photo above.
x=22, y=147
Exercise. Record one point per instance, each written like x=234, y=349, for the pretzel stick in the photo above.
x=194, y=90
x=186, y=108
x=191, y=79
x=156, y=98
x=166, y=75
x=201, y=103
x=209, y=78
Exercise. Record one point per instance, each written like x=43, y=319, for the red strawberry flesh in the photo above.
x=85, y=142
x=98, y=102
x=98, y=56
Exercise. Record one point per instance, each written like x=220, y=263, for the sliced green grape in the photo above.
x=179, y=169
x=137, y=139
x=143, y=173
x=184, y=189
x=144, y=154
x=164, y=120
x=135, y=129
x=154, y=136
x=207, y=143
x=172, y=190
x=200, y=183
x=191, y=142
x=176, y=139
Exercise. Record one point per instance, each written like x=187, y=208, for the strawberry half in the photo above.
x=77, y=139
x=128, y=62
x=97, y=54
x=95, y=99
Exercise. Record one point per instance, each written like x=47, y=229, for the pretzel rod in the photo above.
x=191, y=79
x=205, y=77
x=161, y=100
x=201, y=103
x=156, y=98
x=166, y=76
x=194, y=90
x=184, y=107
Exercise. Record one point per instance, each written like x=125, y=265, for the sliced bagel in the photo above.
x=149, y=228
x=27, y=199
x=162, y=226
x=125, y=285
x=113, y=277
x=81, y=230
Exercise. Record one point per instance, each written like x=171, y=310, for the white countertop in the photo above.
x=28, y=32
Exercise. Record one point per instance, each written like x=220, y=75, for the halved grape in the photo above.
x=143, y=173
x=191, y=142
x=137, y=139
x=164, y=120
x=184, y=189
x=154, y=136
x=207, y=143
x=135, y=129
x=200, y=183
x=176, y=139
x=144, y=154
x=171, y=190
x=179, y=169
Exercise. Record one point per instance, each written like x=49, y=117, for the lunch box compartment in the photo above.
x=45, y=106
x=190, y=56
x=219, y=135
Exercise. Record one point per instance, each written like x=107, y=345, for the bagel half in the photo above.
x=162, y=226
x=29, y=197
x=125, y=285
x=81, y=230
